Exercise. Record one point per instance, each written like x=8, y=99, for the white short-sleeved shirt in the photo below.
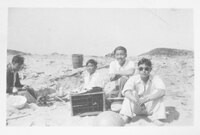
x=94, y=80
x=115, y=67
x=135, y=84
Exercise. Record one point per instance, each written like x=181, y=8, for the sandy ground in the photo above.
x=49, y=71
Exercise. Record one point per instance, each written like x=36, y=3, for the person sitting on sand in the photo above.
x=120, y=70
x=13, y=81
x=92, y=78
x=144, y=95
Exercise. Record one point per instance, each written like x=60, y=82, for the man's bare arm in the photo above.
x=160, y=93
x=118, y=74
x=126, y=73
x=131, y=96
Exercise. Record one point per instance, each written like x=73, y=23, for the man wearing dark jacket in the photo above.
x=13, y=81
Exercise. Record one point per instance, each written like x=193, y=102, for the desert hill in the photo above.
x=168, y=52
x=15, y=52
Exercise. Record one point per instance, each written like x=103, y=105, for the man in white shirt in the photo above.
x=92, y=77
x=144, y=95
x=120, y=70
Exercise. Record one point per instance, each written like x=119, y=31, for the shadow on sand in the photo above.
x=171, y=114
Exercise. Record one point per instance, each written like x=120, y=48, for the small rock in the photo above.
x=183, y=103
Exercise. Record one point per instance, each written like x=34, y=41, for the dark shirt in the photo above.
x=10, y=79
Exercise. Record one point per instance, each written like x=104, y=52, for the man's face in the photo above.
x=144, y=70
x=91, y=68
x=17, y=67
x=120, y=55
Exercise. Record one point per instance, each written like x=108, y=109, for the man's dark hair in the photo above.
x=18, y=59
x=120, y=48
x=145, y=61
x=91, y=61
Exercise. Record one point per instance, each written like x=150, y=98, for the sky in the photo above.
x=97, y=31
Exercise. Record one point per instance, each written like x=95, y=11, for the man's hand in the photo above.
x=25, y=87
x=14, y=90
x=143, y=100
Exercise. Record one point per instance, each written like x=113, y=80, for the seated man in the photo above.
x=120, y=70
x=144, y=95
x=92, y=78
x=13, y=82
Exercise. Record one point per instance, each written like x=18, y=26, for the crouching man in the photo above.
x=120, y=70
x=144, y=95
x=13, y=81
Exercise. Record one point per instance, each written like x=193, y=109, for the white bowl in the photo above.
x=116, y=106
x=17, y=101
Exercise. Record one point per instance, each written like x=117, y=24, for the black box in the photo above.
x=87, y=103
